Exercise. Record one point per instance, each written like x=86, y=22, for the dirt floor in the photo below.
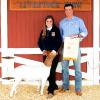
x=28, y=92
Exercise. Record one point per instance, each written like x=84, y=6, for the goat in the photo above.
x=29, y=72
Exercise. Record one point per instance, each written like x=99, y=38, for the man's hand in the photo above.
x=74, y=36
x=80, y=36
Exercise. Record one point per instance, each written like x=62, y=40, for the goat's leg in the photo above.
x=42, y=85
x=38, y=85
x=13, y=89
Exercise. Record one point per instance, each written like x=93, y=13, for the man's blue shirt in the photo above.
x=72, y=26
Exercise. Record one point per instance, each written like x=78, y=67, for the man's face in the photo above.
x=69, y=11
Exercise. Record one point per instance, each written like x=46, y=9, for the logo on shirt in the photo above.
x=53, y=34
x=74, y=24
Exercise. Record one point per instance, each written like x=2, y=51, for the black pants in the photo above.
x=52, y=77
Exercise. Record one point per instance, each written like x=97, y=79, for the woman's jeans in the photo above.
x=78, y=74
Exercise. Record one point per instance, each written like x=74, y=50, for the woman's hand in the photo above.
x=50, y=56
x=53, y=53
x=45, y=52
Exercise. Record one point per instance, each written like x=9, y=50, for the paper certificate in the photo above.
x=71, y=47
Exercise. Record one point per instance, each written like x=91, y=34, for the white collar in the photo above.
x=49, y=28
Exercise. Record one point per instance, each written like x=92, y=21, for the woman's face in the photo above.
x=49, y=22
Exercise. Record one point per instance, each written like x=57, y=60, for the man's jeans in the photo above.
x=78, y=74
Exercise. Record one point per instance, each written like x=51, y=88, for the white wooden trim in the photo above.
x=96, y=40
x=90, y=67
x=12, y=51
x=4, y=37
x=37, y=50
x=24, y=50
x=25, y=61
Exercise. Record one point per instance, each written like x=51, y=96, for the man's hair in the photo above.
x=68, y=4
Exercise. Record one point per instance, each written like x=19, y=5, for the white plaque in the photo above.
x=71, y=47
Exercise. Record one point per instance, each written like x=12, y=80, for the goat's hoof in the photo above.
x=11, y=95
x=38, y=90
x=41, y=94
x=50, y=95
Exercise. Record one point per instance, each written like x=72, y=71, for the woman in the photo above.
x=49, y=42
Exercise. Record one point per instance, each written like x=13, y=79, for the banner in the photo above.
x=53, y=5
x=71, y=47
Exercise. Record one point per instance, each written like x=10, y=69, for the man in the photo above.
x=73, y=27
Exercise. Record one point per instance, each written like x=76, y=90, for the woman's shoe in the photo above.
x=55, y=87
x=50, y=95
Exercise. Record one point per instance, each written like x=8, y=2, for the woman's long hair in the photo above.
x=45, y=27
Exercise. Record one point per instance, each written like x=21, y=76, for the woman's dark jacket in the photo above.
x=52, y=40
